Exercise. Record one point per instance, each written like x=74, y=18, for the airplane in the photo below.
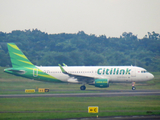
x=99, y=76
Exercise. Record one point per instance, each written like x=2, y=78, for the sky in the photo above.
x=99, y=17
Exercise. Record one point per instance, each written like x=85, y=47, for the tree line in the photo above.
x=81, y=49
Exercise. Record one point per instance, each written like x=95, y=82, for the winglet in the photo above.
x=64, y=65
x=62, y=69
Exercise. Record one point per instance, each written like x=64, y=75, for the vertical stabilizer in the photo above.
x=18, y=59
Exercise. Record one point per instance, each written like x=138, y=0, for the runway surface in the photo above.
x=147, y=117
x=102, y=93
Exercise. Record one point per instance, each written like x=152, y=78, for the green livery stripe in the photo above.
x=41, y=73
x=18, y=59
x=13, y=46
x=23, y=56
x=34, y=69
x=26, y=62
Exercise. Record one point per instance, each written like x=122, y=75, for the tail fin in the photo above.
x=18, y=59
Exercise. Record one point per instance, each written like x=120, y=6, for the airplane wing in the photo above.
x=81, y=78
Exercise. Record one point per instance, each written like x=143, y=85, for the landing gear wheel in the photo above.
x=133, y=88
x=83, y=87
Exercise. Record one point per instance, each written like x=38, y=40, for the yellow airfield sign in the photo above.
x=92, y=109
x=29, y=90
x=43, y=90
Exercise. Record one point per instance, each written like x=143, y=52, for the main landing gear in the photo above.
x=133, y=87
x=83, y=87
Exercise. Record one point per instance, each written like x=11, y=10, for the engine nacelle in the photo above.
x=102, y=83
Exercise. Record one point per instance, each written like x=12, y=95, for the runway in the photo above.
x=147, y=117
x=102, y=93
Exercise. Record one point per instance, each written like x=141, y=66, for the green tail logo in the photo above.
x=18, y=59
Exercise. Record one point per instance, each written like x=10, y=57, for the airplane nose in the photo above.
x=151, y=76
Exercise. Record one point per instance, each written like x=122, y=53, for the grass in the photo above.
x=73, y=107
x=66, y=107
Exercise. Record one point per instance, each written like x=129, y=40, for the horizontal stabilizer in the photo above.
x=14, y=70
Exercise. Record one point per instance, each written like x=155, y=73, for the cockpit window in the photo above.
x=144, y=71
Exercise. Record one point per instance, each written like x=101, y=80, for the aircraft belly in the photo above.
x=120, y=79
x=61, y=77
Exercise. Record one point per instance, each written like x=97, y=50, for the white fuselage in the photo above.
x=112, y=73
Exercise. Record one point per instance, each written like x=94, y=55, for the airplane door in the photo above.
x=35, y=72
x=133, y=72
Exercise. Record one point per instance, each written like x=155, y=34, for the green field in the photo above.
x=73, y=107
x=65, y=107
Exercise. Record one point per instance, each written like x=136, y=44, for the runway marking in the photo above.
x=109, y=94
x=71, y=111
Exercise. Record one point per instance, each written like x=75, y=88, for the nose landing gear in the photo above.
x=133, y=87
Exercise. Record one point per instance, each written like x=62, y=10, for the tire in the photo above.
x=133, y=88
x=83, y=87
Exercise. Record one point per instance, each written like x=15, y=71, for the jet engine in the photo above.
x=102, y=83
